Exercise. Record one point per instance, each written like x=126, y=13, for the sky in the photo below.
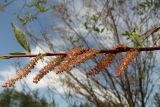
x=9, y=44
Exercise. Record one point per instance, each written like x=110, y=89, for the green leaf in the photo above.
x=17, y=53
x=94, y=18
x=126, y=33
x=29, y=16
x=22, y=20
x=40, y=8
x=96, y=29
x=21, y=37
x=85, y=25
x=134, y=36
x=40, y=1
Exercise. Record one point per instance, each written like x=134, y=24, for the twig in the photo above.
x=109, y=51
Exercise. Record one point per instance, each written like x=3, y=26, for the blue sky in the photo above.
x=9, y=44
x=7, y=40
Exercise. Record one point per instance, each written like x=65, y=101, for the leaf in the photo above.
x=134, y=36
x=29, y=16
x=96, y=29
x=17, y=53
x=20, y=36
x=94, y=18
x=126, y=33
x=40, y=1
x=40, y=8
x=22, y=20
x=85, y=25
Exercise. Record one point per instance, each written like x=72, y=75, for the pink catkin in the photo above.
x=24, y=72
x=130, y=55
x=63, y=66
x=81, y=58
x=105, y=62
x=50, y=66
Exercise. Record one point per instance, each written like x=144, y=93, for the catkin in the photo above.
x=70, y=56
x=24, y=71
x=80, y=58
x=130, y=55
x=50, y=66
x=105, y=62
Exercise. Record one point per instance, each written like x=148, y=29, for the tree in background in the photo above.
x=13, y=98
x=101, y=24
x=157, y=99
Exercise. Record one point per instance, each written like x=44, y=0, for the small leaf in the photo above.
x=29, y=16
x=40, y=1
x=85, y=25
x=134, y=36
x=22, y=20
x=20, y=36
x=94, y=18
x=40, y=8
x=126, y=33
x=17, y=53
x=96, y=29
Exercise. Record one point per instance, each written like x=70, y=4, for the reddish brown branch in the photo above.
x=109, y=51
x=128, y=48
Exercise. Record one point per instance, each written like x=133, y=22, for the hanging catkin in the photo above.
x=130, y=55
x=24, y=71
x=70, y=56
x=50, y=66
x=105, y=62
x=80, y=58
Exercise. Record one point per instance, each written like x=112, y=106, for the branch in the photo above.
x=109, y=51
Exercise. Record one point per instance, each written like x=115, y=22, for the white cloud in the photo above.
x=6, y=73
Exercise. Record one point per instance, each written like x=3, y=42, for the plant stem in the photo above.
x=106, y=51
